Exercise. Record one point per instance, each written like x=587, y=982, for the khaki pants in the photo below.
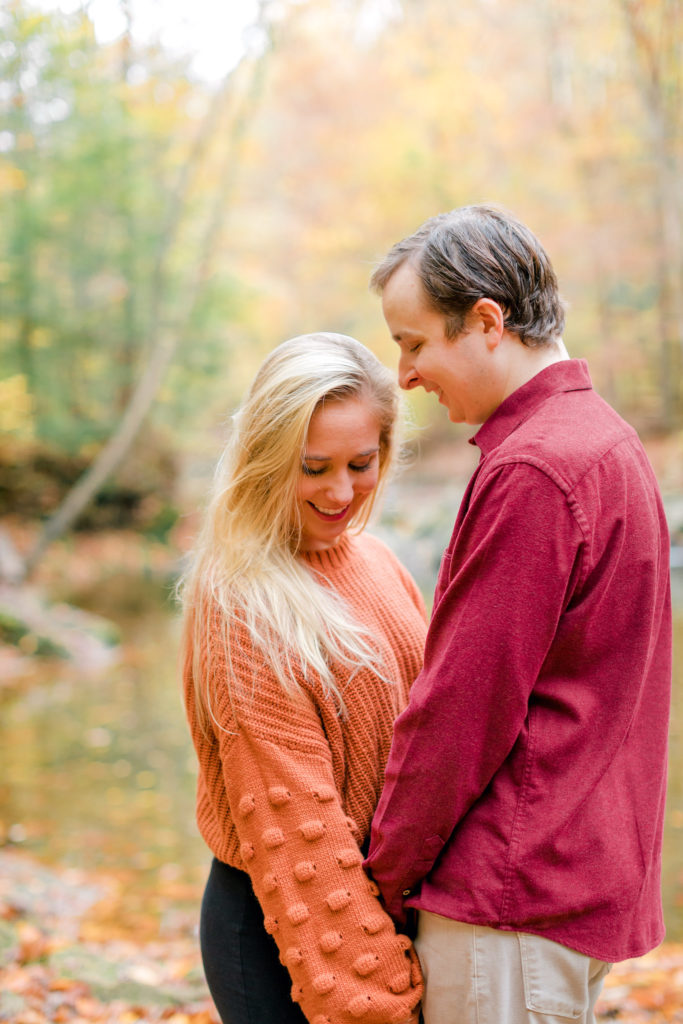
x=478, y=975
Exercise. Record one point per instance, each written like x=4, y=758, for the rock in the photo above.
x=56, y=899
x=8, y=943
x=11, y=563
x=39, y=629
x=11, y=1005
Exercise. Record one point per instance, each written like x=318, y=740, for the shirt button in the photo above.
x=406, y=892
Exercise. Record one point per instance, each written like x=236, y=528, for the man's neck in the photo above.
x=523, y=362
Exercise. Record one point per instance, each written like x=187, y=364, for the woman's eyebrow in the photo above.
x=328, y=458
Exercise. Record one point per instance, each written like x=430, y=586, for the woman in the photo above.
x=301, y=641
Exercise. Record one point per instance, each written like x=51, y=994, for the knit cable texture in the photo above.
x=287, y=788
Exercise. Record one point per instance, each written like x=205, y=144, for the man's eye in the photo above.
x=415, y=348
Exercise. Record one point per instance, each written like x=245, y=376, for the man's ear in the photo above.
x=491, y=319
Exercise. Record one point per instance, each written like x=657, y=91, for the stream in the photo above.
x=98, y=774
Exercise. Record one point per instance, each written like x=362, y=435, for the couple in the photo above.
x=492, y=784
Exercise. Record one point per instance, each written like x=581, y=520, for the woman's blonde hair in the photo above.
x=244, y=568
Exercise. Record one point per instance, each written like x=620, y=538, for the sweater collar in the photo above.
x=330, y=558
x=566, y=375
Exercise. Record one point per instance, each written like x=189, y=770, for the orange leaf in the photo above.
x=30, y=1017
x=64, y=984
x=32, y=943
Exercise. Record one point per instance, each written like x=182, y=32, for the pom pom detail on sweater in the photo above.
x=359, y=1006
x=331, y=941
x=247, y=805
x=338, y=900
x=279, y=796
x=304, y=871
x=366, y=964
x=349, y=858
x=324, y=983
x=272, y=838
x=270, y=882
x=400, y=983
x=374, y=924
x=298, y=913
x=297, y=993
x=312, y=830
x=324, y=793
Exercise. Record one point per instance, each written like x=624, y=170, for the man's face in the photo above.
x=461, y=370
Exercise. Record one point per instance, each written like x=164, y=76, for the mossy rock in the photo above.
x=11, y=1005
x=16, y=633
x=8, y=943
x=36, y=476
x=107, y=979
x=40, y=629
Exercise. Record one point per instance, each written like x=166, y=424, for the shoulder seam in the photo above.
x=562, y=484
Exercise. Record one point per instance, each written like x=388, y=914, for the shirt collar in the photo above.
x=565, y=375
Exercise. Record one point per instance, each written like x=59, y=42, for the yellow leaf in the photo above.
x=12, y=179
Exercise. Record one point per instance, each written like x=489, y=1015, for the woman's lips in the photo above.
x=328, y=515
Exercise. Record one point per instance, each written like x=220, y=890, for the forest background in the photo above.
x=162, y=229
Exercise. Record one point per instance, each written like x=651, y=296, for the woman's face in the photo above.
x=339, y=471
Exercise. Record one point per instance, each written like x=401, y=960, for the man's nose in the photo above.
x=408, y=377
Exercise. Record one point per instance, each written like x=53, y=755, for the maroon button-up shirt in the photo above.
x=525, y=787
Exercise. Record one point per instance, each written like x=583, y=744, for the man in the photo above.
x=523, y=805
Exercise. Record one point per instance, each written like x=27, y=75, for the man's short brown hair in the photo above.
x=477, y=252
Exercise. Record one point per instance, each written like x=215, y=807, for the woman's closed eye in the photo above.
x=356, y=467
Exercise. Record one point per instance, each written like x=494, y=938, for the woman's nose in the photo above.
x=340, y=489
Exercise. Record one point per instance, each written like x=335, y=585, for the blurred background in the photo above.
x=183, y=186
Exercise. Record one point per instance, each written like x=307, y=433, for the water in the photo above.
x=99, y=774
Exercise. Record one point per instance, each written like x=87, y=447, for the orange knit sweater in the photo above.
x=287, y=789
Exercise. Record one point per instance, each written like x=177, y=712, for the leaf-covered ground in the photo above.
x=71, y=951
x=71, y=954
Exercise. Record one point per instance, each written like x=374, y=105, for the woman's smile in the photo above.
x=330, y=513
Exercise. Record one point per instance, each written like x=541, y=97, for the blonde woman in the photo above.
x=302, y=638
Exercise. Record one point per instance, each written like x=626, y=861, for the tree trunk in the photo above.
x=164, y=340
x=659, y=77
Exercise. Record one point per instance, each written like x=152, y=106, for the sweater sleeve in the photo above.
x=345, y=959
